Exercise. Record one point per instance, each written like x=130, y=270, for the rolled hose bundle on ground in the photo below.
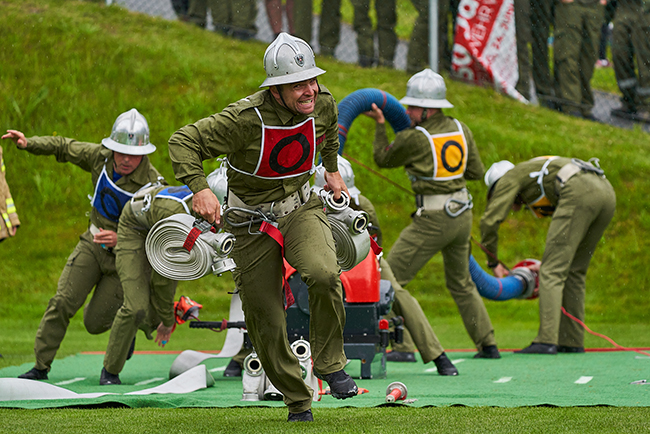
x=520, y=284
x=166, y=254
x=361, y=101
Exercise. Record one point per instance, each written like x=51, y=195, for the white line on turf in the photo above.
x=455, y=362
x=583, y=380
x=221, y=368
x=151, y=380
x=503, y=380
x=74, y=380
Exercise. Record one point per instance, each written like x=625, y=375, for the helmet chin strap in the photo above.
x=424, y=116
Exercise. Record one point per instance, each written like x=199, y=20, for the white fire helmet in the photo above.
x=345, y=169
x=426, y=89
x=496, y=171
x=289, y=60
x=130, y=135
x=218, y=182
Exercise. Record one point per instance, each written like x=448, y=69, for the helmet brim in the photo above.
x=293, y=78
x=126, y=149
x=425, y=102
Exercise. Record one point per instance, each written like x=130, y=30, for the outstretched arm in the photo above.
x=18, y=138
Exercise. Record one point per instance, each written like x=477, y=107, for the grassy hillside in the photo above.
x=69, y=68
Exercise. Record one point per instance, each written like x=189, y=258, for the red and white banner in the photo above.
x=485, y=46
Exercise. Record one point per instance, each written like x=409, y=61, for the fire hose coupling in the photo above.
x=301, y=349
x=349, y=229
x=253, y=365
x=396, y=391
x=529, y=278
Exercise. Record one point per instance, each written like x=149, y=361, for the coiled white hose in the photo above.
x=166, y=254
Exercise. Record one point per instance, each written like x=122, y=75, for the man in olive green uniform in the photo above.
x=118, y=169
x=329, y=32
x=231, y=17
x=439, y=155
x=417, y=327
x=9, y=221
x=148, y=297
x=577, y=34
x=271, y=139
x=581, y=202
x=630, y=40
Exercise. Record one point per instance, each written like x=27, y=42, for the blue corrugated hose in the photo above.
x=492, y=287
x=361, y=101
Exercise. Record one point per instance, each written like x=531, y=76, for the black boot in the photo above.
x=565, y=349
x=536, y=348
x=444, y=365
x=233, y=369
x=341, y=384
x=488, y=352
x=400, y=356
x=106, y=378
x=34, y=374
x=305, y=416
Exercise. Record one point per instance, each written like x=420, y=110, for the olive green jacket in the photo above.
x=517, y=184
x=92, y=158
x=412, y=149
x=237, y=132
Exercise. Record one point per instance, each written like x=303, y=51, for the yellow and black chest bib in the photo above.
x=449, y=154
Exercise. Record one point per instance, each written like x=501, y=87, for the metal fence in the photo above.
x=554, y=72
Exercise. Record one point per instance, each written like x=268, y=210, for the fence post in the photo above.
x=433, y=34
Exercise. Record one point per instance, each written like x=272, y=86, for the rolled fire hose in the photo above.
x=361, y=101
x=521, y=283
x=166, y=254
x=349, y=230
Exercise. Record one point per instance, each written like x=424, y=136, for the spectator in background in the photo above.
x=417, y=57
x=577, y=33
x=631, y=39
x=9, y=222
x=299, y=17
x=605, y=35
x=329, y=33
x=234, y=18
x=541, y=20
x=181, y=8
x=523, y=35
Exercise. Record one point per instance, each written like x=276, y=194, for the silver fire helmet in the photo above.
x=496, y=171
x=426, y=89
x=289, y=60
x=130, y=135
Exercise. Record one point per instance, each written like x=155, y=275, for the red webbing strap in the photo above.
x=191, y=238
x=275, y=233
x=376, y=248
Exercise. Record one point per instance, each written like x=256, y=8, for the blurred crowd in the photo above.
x=560, y=42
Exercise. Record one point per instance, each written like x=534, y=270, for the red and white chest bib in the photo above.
x=285, y=152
